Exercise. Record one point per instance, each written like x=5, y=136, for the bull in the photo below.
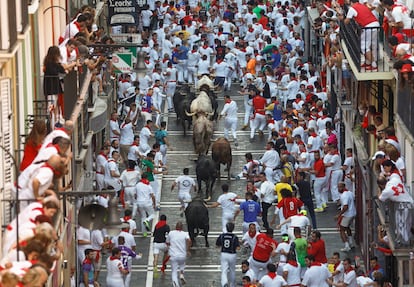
x=201, y=105
x=205, y=80
x=202, y=132
x=196, y=215
x=221, y=154
x=206, y=171
x=182, y=100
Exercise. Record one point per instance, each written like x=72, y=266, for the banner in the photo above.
x=122, y=12
x=122, y=62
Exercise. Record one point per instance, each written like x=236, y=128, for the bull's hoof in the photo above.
x=207, y=245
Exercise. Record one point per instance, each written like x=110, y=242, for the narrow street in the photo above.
x=203, y=267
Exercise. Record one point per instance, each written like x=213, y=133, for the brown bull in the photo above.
x=221, y=154
x=202, y=132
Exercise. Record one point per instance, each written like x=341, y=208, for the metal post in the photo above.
x=17, y=207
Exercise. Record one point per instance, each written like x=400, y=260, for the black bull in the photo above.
x=197, y=218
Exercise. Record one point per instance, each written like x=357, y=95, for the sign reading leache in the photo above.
x=122, y=12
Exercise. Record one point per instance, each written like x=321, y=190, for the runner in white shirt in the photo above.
x=144, y=136
x=179, y=243
x=130, y=177
x=272, y=279
x=291, y=271
x=229, y=112
x=283, y=250
x=350, y=278
x=316, y=274
x=115, y=270
x=185, y=185
x=335, y=173
x=206, y=50
x=101, y=160
x=112, y=174
x=347, y=166
x=231, y=59
x=346, y=215
x=126, y=139
x=267, y=197
x=114, y=130
x=145, y=202
x=203, y=66
x=227, y=203
x=134, y=154
x=170, y=84
x=194, y=58
x=270, y=160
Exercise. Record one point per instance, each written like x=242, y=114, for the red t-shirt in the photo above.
x=259, y=104
x=318, y=251
x=30, y=153
x=264, y=247
x=319, y=168
x=290, y=206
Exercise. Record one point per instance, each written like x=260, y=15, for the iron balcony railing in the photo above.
x=362, y=42
x=399, y=217
x=405, y=106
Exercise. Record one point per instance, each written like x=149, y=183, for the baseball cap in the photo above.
x=285, y=237
x=378, y=154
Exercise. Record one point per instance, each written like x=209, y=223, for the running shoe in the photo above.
x=320, y=209
x=147, y=225
x=182, y=279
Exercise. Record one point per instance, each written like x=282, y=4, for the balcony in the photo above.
x=405, y=107
x=351, y=44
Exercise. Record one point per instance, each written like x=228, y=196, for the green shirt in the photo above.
x=148, y=168
x=256, y=10
x=301, y=248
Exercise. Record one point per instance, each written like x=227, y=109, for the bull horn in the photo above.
x=189, y=114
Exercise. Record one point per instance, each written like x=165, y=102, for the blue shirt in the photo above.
x=87, y=267
x=251, y=210
x=183, y=53
x=277, y=112
x=275, y=60
x=146, y=104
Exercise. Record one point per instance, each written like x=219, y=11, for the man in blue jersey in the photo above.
x=251, y=210
x=229, y=244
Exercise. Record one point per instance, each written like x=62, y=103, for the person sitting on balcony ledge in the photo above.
x=398, y=17
x=364, y=17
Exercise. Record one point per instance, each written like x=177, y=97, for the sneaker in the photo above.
x=182, y=279
x=346, y=249
x=244, y=127
x=145, y=234
x=147, y=225
x=261, y=133
x=320, y=209
x=371, y=68
x=324, y=205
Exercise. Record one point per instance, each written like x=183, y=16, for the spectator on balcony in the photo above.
x=364, y=17
x=52, y=83
x=75, y=27
x=398, y=16
x=39, y=183
x=33, y=143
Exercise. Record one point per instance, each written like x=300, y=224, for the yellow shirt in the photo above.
x=279, y=186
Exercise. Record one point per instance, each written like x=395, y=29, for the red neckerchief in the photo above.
x=87, y=261
x=219, y=33
x=293, y=263
x=55, y=172
x=112, y=258
x=252, y=233
x=145, y=181
x=193, y=51
x=160, y=224
x=270, y=121
x=123, y=125
x=219, y=61
x=227, y=101
x=313, y=135
x=392, y=138
x=165, y=60
x=316, y=264
x=146, y=62
x=403, y=8
x=77, y=25
x=126, y=218
x=56, y=146
x=298, y=101
x=272, y=275
x=251, y=30
x=205, y=46
x=134, y=144
x=147, y=126
x=323, y=117
x=104, y=155
x=111, y=160
x=349, y=269
x=336, y=265
x=334, y=153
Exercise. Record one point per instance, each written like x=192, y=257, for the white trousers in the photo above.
x=230, y=124
x=228, y=269
x=177, y=264
x=318, y=190
x=259, y=122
